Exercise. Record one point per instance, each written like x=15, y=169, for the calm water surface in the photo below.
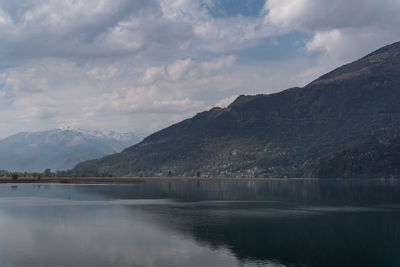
x=202, y=223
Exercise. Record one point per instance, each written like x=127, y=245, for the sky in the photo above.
x=142, y=65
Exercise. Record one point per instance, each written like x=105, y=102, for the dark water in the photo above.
x=202, y=223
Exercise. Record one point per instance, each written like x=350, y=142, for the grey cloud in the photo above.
x=110, y=28
x=17, y=9
x=37, y=29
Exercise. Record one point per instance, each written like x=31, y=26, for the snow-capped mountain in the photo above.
x=60, y=149
x=112, y=136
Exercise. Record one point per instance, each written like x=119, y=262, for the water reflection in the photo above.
x=214, y=223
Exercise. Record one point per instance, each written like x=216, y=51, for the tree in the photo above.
x=47, y=172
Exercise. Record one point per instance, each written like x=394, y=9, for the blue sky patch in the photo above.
x=227, y=8
x=282, y=47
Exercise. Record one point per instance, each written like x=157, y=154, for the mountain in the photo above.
x=59, y=149
x=298, y=132
x=377, y=157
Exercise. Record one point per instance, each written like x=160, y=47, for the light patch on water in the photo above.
x=90, y=236
x=39, y=201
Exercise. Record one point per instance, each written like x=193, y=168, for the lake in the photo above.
x=202, y=223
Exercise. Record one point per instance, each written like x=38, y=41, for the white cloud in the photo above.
x=177, y=69
x=128, y=95
x=343, y=30
x=349, y=44
x=325, y=41
x=316, y=15
x=154, y=73
x=218, y=64
x=223, y=103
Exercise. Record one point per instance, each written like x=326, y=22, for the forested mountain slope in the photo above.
x=279, y=135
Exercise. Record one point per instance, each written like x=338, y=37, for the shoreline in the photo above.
x=122, y=180
x=132, y=180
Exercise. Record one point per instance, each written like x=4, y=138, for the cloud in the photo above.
x=109, y=28
x=315, y=15
x=142, y=65
x=128, y=95
x=343, y=30
x=67, y=93
x=153, y=74
x=217, y=65
x=36, y=29
x=349, y=44
x=223, y=103
x=177, y=69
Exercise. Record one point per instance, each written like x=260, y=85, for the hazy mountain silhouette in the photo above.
x=59, y=149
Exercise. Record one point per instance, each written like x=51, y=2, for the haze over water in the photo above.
x=202, y=223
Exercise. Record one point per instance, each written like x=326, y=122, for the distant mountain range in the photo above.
x=59, y=149
x=344, y=124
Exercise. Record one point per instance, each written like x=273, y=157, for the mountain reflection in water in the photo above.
x=202, y=223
